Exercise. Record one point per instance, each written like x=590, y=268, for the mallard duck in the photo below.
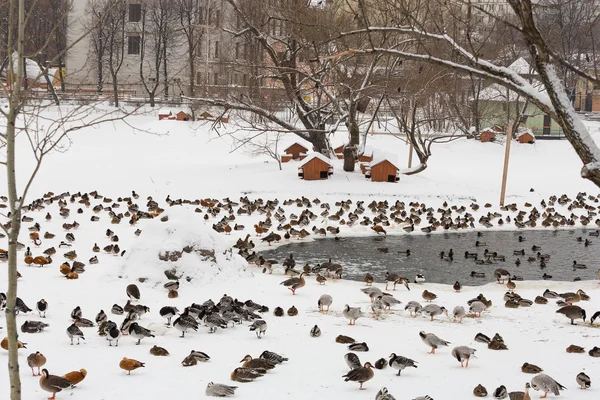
x=497, y=345
x=320, y=279
x=572, y=312
x=33, y=326
x=457, y=286
x=541, y=300
x=36, y=360
x=546, y=384
x=480, y=391
x=278, y=312
x=76, y=377
x=548, y=294
x=219, y=390
x=575, y=349
x=428, y=296
x=315, y=331
x=368, y=279
x=361, y=374
x=594, y=352
x=463, y=353
x=117, y=309
x=292, y=311
x=477, y=274
x=129, y=364
x=583, y=380
x=381, y=363
x=358, y=347
x=501, y=275
x=250, y=362
x=53, y=383
x=344, y=339
x=133, y=292
x=247, y=374
x=159, y=351
x=500, y=392
x=510, y=285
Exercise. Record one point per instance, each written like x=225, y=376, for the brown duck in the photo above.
x=531, y=368
x=247, y=374
x=428, y=296
x=250, y=362
x=360, y=375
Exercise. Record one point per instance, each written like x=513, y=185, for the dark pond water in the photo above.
x=359, y=255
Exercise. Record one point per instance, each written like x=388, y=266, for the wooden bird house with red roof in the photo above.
x=382, y=171
x=315, y=167
x=294, y=152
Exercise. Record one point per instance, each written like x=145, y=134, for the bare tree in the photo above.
x=556, y=104
x=188, y=15
x=114, y=22
x=259, y=143
x=45, y=128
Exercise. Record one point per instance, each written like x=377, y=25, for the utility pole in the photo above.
x=509, y=134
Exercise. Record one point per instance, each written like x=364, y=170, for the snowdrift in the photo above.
x=185, y=247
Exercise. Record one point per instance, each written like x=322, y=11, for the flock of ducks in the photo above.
x=275, y=225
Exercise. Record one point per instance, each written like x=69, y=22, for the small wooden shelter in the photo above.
x=315, y=167
x=339, y=152
x=164, y=114
x=206, y=116
x=526, y=137
x=382, y=171
x=294, y=152
x=487, y=135
x=182, y=116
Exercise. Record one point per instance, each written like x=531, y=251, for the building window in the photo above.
x=218, y=18
x=135, y=12
x=216, y=78
x=237, y=51
x=133, y=44
x=216, y=49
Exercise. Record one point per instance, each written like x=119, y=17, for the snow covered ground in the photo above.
x=186, y=161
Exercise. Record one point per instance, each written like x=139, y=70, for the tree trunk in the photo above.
x=115, y=89
x=419, y=168
x=349, y=158
x=320, y=143
x=351, y=150
x=100, y=76
x=152, y=101
x=165, y=72
x=192, y=74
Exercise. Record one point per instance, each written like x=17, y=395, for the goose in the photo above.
x=294, y=283
x=459, y=313
x=351, y=314
x=432, y=340
x=546, y=384
x=219, y=390
x=272, y=357
x=501, y=275
x=400, y=363
x=324, y=301
x=434, y=310
x=572, y=313
x=53, y=383
x=413, y=307
x=463, y=353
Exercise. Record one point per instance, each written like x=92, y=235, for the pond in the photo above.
x=377, y=255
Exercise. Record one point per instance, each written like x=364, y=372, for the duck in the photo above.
x=521, y=395
x=457, y=286
x=594, y=352
x=344, y=339
x=477, y=274
x=531, y=368
x=368, y=279
x=413, y=308
x=129, y=364
x=400, y=363
x=4, y=344
x=419, y=279
x=583, y=380
x=315, y=331
x=320, y=279
x=133, y=292
x=247, y=374
x=550, y=294
x=273, y=357
x=546, y=384
x=75, y=377
x=42, y=307
x=501, y=275
x=540, y=300
x=477, y=307
x=480, y=391
x=575, y=349
x=352, y=361
x=482, y=338
x=500, y=392
x=462, y=354
x=219, y=390
x=358, y=347
x=168, y=312
x=199, y=356
x=278, y=312
x=33, y=326
x=428, y=296
x=391, y=277
x=36, y=360
x=497, y=345
x=510, y=285
x=381, y=363
x=53, y=384
x=294, y=283
x=159, y=351
x=250, y=362
x=292, y=311
x=576, y=265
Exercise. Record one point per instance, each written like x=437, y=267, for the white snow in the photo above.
x=186, y=160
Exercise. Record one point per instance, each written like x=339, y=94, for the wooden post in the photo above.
x=506, y=158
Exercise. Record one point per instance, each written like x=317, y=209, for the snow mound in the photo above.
x=185, y=247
